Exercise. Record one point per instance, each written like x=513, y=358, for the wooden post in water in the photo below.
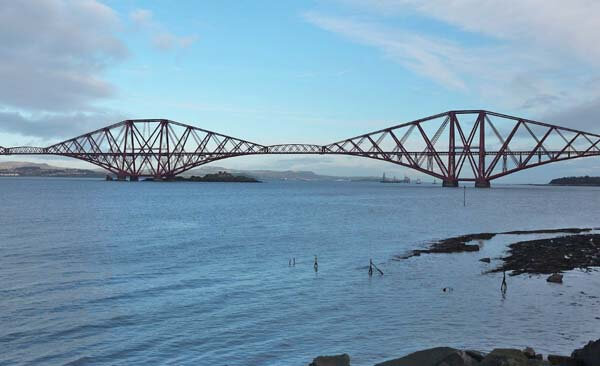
x=464, y=196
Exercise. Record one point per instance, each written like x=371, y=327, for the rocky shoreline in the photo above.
x=581, y=250
x=554, y=255
x=589, y=355
x=541, y=256
x=458, y=244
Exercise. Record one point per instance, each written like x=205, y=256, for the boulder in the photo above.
x=506, y=357
x=529, y=352
x=471, y=248
x=478, y=356
x=337, y=360
x=458, y=358
x=486, y=260
x=555, y=278
x=439, y=356
x=561, y=360
x=589, y=355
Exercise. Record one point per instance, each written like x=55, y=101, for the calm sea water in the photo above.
x=118, y=273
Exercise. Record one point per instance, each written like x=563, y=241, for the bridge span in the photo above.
x=461, y=145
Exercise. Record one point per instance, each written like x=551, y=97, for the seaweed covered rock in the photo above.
x=439, y=356
x=337, y=360
x=555, y=278
x=561, y=360
x=505, y=357
x=589, y=355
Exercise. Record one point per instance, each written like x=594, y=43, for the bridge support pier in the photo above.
x=482, y=183
x=121, y=177
x=134, y=178
x=450, y=183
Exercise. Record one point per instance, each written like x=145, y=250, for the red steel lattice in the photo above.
x=465, y=145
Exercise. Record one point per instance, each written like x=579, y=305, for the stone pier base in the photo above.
x=482, y=184
x=450, y=183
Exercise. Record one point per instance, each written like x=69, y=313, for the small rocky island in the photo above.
x=218, y=177
x=576, y=181
x=221, y=176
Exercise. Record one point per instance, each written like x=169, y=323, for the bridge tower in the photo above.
x=451, y=180
x=480, y=180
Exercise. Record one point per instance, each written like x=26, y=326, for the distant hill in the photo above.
x=20, y=164
x=26, y=169
x=266, y=175
x=576, y=181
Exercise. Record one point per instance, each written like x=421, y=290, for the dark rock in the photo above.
x=505, y=357
x=555, y=278
x=552, y=255
x=569, y=230
x=561, y=360
x=458, y=358
x=478, y=356
x=486, y=260
x=337, y=360
x=536, y=362
x=529, y=353
x=589, y=355
x=455, y=244
x=459, y=244
x=439, y=356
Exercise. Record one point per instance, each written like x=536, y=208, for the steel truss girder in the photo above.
x=493, y=146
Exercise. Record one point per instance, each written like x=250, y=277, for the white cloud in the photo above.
x=161, y=38
x=166, y=41
x=141, y=16
x=537, y=57
x=419, y=54
x=569, y=26
x=52, y=126
x=54, y=53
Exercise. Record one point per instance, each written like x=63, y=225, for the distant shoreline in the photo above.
x=584, y=181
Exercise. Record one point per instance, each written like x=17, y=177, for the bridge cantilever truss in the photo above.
x=465, y=145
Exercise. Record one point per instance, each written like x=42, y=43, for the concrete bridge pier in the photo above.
x=450, y=183
x=482, y=183
x=121, y=177
x=134, y=178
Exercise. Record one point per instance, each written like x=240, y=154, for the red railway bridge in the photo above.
x=462, y=145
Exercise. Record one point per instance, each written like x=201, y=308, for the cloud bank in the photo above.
x=538, y=58
x=54, y=53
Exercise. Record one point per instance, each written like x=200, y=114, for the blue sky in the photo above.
x=296, y=71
